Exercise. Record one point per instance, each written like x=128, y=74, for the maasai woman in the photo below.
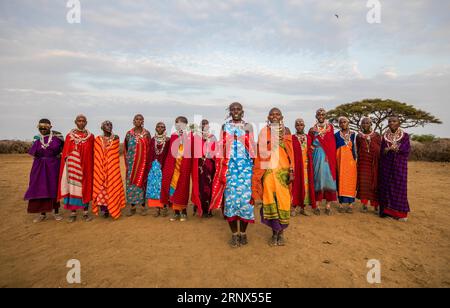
x=324, y=160
x=303, y=186
x=175, y=187
x=77, y=168
x=43, y=188
x=346, y=165
x=273, y=173
x=159, y=148
x=368, y=145
x=108, y=186
x=203, y=170
x=137, y=148
x=233, y=179
x=393, y=179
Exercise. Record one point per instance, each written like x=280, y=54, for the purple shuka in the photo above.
x=393, y=179
x=45, y=171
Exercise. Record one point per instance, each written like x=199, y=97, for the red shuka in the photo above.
x=199, y=152
x=181, y=195
x=298, y=187
x=86, y=150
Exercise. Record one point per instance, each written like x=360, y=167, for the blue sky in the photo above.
x=169, y=58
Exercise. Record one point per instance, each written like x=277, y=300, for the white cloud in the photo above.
x=161, y=57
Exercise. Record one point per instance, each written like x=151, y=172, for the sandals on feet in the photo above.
x=131, y=211
x=243, y=239
x=58, y=217
x=87, y=218
x=280, y=241
x=234, y=242
x=40, y=218
x=273, y=241
x=72, y=218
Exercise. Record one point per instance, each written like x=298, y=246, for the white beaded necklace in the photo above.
x=301, y=138
x=107, y=141
x=346, y=136
x=42, y=139
x=367, y=138
x=394, y=138
x=77, y=139
x=160, y=140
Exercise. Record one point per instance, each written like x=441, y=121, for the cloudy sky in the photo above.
x=169, y=58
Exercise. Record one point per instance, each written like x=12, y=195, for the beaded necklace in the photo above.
x=346, y=136
x=394, y=138
x=367, y=138
x=42, y=139
x=160, y=141
x=302, y=138
x=107, y=141
x=322, y=129
x=78, y=139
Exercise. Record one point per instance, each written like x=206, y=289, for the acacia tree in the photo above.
x=379, y=111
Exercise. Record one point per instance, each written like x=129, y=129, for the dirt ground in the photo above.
x=153, y=252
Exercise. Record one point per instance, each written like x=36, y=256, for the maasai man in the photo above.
x=77, y=169
x=233, y=179
x=175, y=187
x=108, y=186
x=159, y=148
x=137, y=148
x=393, y=179
x=346, y=165
x=303, y=193
x=203, y=170
x=273, y=173
x=43, y=188
x=324, y=161
x=368, y=144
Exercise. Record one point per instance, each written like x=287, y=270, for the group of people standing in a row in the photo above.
x=283, y=172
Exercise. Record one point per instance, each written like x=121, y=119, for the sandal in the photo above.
x=328, y=211
x=243, y=239
x=40, y=218
x=234, y=243
x=157, y=212
x=293, y=213
x=58, y=217
x=144, y=211
x=273, y=241
x=303, y=212
x=316, y=211
x=131, y=211
x=175, y=217
x=164, y=212
x=87, y=218
x=349, y=210
x=280, y=241
x=72, y=218
x=341, y=210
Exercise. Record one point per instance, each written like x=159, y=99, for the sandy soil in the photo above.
x=153, y=252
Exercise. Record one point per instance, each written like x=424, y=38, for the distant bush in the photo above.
x=434, y=151
x=14, y=147
x=437, y=150
x=424, y=138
